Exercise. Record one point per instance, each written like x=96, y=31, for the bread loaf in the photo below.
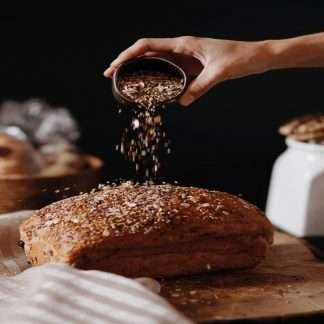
x=305, y=128
x=18, y=157
x=149, y=230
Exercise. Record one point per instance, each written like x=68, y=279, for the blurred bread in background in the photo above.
x=18, y=157
x=306, y=128
x=63, y=159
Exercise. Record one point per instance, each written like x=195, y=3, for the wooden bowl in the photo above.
x=19, y=192
x=146, y=63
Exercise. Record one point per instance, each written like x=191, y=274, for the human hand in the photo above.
x=210, y=60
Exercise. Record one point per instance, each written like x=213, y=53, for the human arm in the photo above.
x=212, y=61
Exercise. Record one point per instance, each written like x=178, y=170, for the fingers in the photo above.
x=140, y=48
x=152, y=53
x=145, y=45
x=207, y=79
x=108, y=73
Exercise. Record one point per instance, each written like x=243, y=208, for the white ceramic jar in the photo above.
x=296, y=193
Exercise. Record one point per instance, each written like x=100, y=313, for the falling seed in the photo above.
x=143, y=140
x=136, y=123
x=157, y=119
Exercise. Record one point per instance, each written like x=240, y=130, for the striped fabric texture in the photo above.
x=57, y=293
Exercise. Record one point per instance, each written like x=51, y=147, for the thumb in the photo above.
x=207, y=79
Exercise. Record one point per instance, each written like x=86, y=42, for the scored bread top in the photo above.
x=133, y=215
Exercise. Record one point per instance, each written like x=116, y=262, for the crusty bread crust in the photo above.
x=304, y=128
x=153, y=230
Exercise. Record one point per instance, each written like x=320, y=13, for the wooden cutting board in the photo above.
x=288, y=284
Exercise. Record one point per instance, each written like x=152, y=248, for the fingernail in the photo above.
x=186, y=100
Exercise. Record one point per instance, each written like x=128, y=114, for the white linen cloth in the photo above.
x=58, y=293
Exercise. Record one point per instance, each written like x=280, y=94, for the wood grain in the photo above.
x=288, y=284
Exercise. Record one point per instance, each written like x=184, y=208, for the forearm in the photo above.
x=218, y=60
x=297, y=52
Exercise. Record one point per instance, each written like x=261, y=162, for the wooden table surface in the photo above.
x=288, y=285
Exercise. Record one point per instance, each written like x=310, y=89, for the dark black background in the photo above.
x=227, y=140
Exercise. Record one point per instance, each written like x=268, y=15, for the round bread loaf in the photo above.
x=18, y=157
x=149, y=230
